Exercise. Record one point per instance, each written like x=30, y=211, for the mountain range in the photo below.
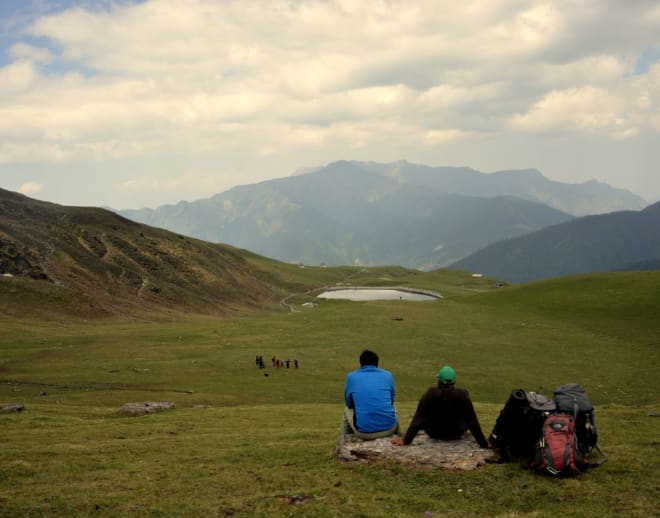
x=622, y=240
x=374, y=214
x=94, y=261
x=591, y=197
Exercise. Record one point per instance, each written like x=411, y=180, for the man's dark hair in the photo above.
x=368, y=358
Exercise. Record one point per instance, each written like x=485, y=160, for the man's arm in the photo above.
x=417, y=423
x=348, y=392
x=474, y=426
x=392, y=389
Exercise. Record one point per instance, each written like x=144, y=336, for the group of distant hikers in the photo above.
x=556, y=435
x=276, y=362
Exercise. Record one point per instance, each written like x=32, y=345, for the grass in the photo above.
x=239, y=443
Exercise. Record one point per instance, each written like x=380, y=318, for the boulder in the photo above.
x=463, y=454
x=146, y=407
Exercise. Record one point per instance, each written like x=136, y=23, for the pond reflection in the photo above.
x=375, y=294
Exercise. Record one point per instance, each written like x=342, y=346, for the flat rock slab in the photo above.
x=12, y=407
x=463, y=454
x=146, y=407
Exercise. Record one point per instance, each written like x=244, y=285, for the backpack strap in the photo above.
x=601, y=460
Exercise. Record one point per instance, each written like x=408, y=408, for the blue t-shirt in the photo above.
x=370, y=391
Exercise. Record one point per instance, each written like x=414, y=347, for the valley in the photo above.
x=97, y=312
x=238, y=442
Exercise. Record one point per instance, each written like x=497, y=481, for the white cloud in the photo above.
x=586, y=109
x=16, y=77
x=179, y=74
x=252, y=80
x=22, y=51
x=192, y=183
x=435, y=137
x=528, y=31
x=30, y=188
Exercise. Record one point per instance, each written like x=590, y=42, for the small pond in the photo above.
x=375, y=294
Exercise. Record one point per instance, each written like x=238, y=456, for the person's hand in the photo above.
x=398, y=441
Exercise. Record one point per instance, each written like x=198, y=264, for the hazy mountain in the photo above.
x=93, y=262
x=623, y=240
x=590, y=197
x=348, y=212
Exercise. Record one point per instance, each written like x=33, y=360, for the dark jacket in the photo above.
x=445, y=412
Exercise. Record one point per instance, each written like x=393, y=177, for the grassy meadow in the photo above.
x=240, y=443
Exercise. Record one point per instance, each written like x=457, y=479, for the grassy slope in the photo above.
x=244, y=444
x=100, y=264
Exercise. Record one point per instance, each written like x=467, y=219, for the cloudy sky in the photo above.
x=130, y=104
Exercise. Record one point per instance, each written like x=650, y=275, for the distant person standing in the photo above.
x=369, y=397
x=444, y=412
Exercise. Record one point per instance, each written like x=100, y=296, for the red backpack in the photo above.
x=557, y=452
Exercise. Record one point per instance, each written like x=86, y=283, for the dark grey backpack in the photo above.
x=519, y=425
x=572, y=399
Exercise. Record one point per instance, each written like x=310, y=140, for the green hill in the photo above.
x=80, y=260
x=608, y=242
x=91, y=262
x=239, y=443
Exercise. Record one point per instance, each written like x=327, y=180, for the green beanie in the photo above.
x=447, y=375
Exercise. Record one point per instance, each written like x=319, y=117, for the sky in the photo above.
x=130, y=104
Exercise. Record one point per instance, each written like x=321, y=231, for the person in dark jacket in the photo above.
x=444, y=412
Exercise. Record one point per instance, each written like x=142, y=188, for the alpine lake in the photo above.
x=365, y=294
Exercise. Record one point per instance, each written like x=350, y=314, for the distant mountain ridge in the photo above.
x=347, y=213
x=624, y=240
x=590, y=197
x=367, y=213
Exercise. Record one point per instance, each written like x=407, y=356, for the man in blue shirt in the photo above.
x=369, y=397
